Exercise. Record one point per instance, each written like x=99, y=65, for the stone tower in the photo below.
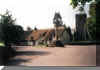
x=81, y=29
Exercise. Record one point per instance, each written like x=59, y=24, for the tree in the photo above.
x=35, y=28
x=76, y=3
x=98, y=21
x=11, y=32
x=91, y=21
x=29, y=28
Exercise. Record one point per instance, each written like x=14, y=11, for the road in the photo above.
x=55, y=56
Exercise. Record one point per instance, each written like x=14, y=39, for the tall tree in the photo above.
x=29, y=28
x=91, y=21
x=76, y=3
x=11, y=32
x=98, y=20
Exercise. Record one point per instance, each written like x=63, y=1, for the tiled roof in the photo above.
x=48, y=34
x=37, y=34
x=43, y=33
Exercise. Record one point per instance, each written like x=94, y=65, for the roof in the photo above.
x=37, y=34
x=48, y=34
x=44, y=34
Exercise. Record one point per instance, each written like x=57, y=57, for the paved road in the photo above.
x=68, y=56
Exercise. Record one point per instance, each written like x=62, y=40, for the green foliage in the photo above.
x=7, y=18
x=75, y=3
x=98, y=21
x=92, y=11
x=2, y=44
x=91, y=21
x=11, y=32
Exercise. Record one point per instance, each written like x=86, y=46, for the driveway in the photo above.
x=55, y=56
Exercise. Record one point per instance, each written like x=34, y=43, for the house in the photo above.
x=47, y=36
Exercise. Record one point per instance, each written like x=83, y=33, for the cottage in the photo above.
x=47, y=36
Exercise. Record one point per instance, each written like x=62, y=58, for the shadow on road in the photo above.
x=30, y=53
x=17, y=61
x=98, y=55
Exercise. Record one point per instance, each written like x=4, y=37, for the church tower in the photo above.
x=81, y=27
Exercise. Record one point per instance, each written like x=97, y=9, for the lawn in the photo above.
x=2, y=44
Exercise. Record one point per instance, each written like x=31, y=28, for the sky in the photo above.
x=39, y=13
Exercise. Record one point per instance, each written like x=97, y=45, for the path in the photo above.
x=68, y=56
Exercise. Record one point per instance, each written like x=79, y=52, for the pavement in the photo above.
x=55, y=56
